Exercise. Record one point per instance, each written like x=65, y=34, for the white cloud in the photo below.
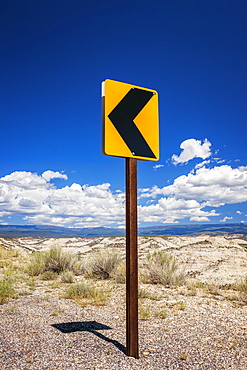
x=219, y=160
x=215, y=186
x=205, y=188
x=239, y=212
x=195, y=196
x=48, y=175
x=38, y=201
x=226, y=218
x=202, y=164
x=199, y=219
x=191, y=149
x=23, y=180
x=170, y=210
x=158, y=166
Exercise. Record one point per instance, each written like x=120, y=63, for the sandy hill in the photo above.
x=221, y=259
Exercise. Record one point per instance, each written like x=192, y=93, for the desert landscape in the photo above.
x=194, y=317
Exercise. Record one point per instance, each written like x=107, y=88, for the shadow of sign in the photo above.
x=90, y=326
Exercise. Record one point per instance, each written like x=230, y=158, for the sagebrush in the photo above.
x=103, y=264
x=55, y=259
x=162, y=268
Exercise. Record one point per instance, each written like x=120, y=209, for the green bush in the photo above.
x=6, y=290
x=162, y=268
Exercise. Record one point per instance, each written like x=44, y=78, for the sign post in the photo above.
x=132, y=343
x=131, y=131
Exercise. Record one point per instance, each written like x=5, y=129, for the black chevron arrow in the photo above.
x=122, y=117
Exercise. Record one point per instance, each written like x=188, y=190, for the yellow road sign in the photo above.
x=130, y=121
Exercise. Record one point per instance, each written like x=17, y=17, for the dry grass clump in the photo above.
x=162, y=268
x=48, y=275
x=195, y=286
x=55, y=260
x=7, y=257
x=161, y=313
x=6, y=290
x=5, y=253
x=85, y=293
x=36, y=266
x=119, y=273
x=103, y=264
x=242, y=286
x=144, y=312
x=67, y=277
x=142, y=294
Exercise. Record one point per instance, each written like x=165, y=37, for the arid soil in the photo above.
x=188, y=327
x=207, y=258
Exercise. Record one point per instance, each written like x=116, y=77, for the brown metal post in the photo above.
x=132, y=342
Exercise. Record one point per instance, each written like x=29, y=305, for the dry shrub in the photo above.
x=7, y=256
x=162, y=268
x=80, y=268
x=55, y=260
x=37, y=265
x=67, y=277
x=48, y=275
x=58, y=260
x=103, y=264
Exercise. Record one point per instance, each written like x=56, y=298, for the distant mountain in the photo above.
x=193, y=230
x=48, y=231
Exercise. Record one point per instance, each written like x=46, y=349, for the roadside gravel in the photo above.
x=42, y=331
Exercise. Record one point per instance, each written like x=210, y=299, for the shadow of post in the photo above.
x=90, y=326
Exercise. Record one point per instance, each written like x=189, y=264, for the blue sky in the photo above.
x=54, y=56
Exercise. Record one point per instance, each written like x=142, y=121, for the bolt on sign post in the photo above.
x=131, y=131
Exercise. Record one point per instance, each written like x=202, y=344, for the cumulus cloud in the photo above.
x=195, y=196
x=48, y=175
x=170, y=210
x=206, y=187
x=191, y=149
x=38, y=201
x=215, y=186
